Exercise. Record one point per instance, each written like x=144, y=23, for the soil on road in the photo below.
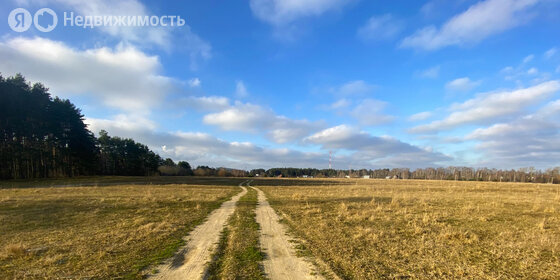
x=280, y=260
x=191, y=260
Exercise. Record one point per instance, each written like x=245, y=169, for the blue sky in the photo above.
x=273, y=83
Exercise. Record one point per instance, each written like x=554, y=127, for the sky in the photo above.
x=281, y=83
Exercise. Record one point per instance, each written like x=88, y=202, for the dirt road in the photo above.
x=280, y=261
x=191, y=260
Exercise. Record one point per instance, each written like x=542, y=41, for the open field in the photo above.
x=371, y=229
x=354, y=228
x=120, y=180
x=99, y=232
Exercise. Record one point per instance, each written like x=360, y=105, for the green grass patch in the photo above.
x=238, y=255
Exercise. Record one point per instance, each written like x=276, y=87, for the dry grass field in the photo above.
x=98, y=232
x=401, y=229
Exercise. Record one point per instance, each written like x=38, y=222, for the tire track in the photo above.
x=191, y=260
x=280, y=261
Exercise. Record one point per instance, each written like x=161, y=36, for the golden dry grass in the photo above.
x=372, y=229
x=98, y=232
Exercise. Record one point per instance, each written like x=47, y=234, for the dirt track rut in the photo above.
x=281, y=261
x=191, y=260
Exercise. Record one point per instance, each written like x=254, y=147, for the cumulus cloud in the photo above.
x=373, y=150
x=535, y=135
x=148, y=36
x=204, y=103
x=477, y=23
x=122, y=123
x=379, y=28
x=253, y=118
x=371, y=112
x=462, y=84
x=491, y=107
x=122, y=77
x=204, y=149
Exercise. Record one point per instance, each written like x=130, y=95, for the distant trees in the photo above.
x=119, y=156
x=169, y=168
x=530, y=174
x=221, y=172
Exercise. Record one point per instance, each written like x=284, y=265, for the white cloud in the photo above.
x=528, y=58
x=123, y=77
x=283, y=12
x=194, y=82
x=379, y=28
x=146, y=36
x=241, y=117
x=478, y=22
x=506, y=70
x=204, y=149
x=428, y=8
x=431, y=73
x=357, y=87
x=373, y=150
x=253, y=118
x=241, y=90
x=550, y=53
x=198, y=148
x=535, y=135
x=462, y=84
x=370, y=112
x=420, y=116
x=341, y=104
x=490, y=107
x=122, y=122
x=532, y=71
x=204, y=103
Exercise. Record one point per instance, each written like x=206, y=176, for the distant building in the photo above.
x=304, y=176
x=366, y=177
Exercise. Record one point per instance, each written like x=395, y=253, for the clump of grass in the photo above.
x=238, y=255
x=14, y=251
x=98, y=232
x=426, y=229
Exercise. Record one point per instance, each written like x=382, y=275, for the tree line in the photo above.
x=529, y=174
x=47, y=137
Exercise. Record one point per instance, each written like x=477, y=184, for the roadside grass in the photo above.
x=371, y=229
x=98, y=232
x=238, y=254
